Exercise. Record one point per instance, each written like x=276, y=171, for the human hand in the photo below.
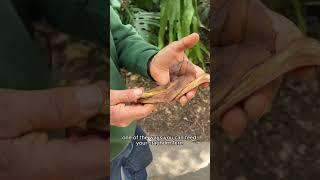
x=172, y=54
x=256, y=105
x=240, y=28
x=121, y=113
x=27, y=153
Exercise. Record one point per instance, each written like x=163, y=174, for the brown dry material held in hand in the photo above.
x=253, y=46
x=180, y=83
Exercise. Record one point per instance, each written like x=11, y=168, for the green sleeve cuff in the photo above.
x=143, y=62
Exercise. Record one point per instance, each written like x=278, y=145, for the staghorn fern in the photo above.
x=163, y=21
x=146, y=24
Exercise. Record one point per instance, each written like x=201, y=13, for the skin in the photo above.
x=235, y=121
x=171, y=54
x=122, y=114
x=28, y=153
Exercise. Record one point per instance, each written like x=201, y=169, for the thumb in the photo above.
x=186, y=42
x=125, y=96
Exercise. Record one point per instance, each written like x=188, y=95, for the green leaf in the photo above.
x=115, y=4
x=163, y=23
x=175, y=19
x=187, y=16
x=173, y=10
x=146, y=24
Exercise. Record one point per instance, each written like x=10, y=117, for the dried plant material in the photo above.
x=255, y=46
x=178, y=86
x=202, y=79
x=303, y=52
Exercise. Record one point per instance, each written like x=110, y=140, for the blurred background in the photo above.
x=284, y=144
x=163, y=21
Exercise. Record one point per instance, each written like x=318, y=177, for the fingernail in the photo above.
x=137, y=92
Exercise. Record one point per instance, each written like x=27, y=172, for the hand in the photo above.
x=170, y=55
x=273, y=34
x=122, y=114
x=27, y=153
x=255, y=106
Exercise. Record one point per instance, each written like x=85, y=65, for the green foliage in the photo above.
x=163, y=21
x=301, y=22
x=144, y=22
x=115, y=4
x=179, y=18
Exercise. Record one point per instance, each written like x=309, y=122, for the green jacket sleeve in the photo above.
x=86, y=19
x=133, y=51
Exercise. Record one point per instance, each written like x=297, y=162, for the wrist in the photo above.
x=149, y=67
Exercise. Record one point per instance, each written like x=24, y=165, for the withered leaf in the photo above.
x=182, y=80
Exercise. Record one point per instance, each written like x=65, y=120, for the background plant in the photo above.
x=161, y=22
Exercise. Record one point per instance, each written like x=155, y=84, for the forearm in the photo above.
x=133, y=51
x=35, y=157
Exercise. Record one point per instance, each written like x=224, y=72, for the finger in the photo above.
x=260, y=102
x=35, y=157
x=186, y=42
x=183, y=100
x=304, y=73
x=204, y=85
x=138, y=111
x=234, y=122
x=125, y=96
x=256, y=106
x=25, y=111
x=122, y=115
x=191, y=94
